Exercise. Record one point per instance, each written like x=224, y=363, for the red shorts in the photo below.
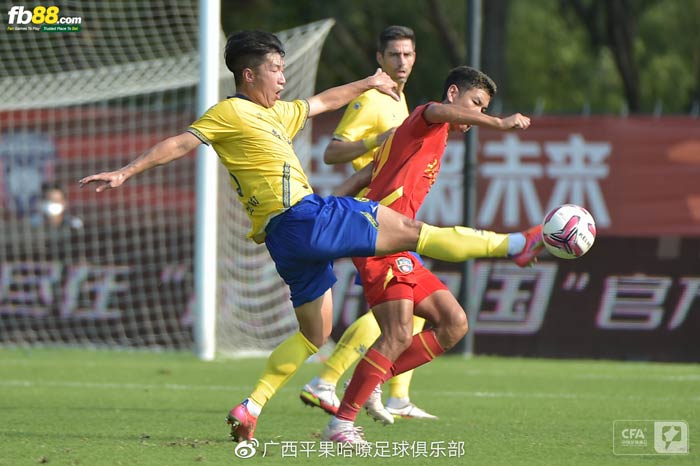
x=397, y=276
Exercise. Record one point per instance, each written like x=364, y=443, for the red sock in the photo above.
x=424, y=348
x=374, y=368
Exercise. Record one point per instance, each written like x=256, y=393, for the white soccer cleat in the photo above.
x=375, y=408
x=344, y=432
x=321, y=395
x=407, y=411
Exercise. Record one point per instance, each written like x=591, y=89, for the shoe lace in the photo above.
x=355, y=433
x=325, y=387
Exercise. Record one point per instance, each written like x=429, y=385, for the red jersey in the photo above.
x=406, y=165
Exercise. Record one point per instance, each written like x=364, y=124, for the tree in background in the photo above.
x=555, y=56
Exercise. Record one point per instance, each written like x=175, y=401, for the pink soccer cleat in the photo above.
x=533, y=247
x=242, y=423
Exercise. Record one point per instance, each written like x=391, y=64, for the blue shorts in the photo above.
x=304, y=241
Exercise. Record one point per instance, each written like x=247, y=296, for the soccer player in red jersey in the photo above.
x=397, y=286
x=252, y=134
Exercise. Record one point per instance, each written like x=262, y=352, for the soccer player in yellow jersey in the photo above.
x=367, y=122
x=252, y=134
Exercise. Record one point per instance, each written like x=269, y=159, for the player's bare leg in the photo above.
x=447, y=316
x=315, y=323
x=316, y=318
x=396, y=232
x=398, y=402
x=454, y=244
x=449, y=326
x=397, y=350
x=395, y=319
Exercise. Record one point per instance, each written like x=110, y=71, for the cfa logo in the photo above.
x=39, y=15
x=632, y=437
x=633, y=434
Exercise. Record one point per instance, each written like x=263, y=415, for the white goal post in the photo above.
x=118, y=269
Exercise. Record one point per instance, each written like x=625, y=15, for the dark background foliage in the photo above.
x=548, y=56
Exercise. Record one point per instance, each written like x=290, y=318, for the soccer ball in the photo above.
x=568, y=231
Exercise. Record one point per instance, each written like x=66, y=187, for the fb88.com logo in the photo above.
x=38, y=15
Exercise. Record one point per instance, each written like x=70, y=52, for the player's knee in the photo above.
x=316, y=339
x=404, y=338
x=396, y=232
x=453, y=329
x=412, y=228
x=409, y=231
x=399, y=338
x=461, y=324
x=320, y=341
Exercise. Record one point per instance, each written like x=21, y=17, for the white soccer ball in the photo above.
x=568, y=231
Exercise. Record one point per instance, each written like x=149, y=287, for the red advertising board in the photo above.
x=635, y=295
x=638, y=176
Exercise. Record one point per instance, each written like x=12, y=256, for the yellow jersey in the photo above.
x=370, y=114
x=255, y=145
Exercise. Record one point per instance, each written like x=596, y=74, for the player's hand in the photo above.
x=108, y=180
x=383, y=83
x=516, y=121
x=385, y=135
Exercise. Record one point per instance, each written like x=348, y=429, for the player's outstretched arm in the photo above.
x=353, y=185
x=336, y=97
x=445, y=113
x=165, y=151
x=338, y=151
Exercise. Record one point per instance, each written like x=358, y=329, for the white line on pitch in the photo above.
x=109, y=385
x=228, y=388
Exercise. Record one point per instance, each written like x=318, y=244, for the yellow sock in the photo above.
x=399, y=385
x=353, y=344
x=281, y=365
x=457, y=244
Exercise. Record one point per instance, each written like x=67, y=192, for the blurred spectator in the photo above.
x=53, y=210
x=61, y=232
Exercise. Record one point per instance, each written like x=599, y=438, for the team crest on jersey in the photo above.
x=404, y=264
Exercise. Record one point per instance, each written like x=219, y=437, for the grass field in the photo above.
x=72, y=407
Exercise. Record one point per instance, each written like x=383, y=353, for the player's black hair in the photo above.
x=247, y=49
x=466, y=78
x=394, y=33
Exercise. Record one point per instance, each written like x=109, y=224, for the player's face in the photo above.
x=474, y=99
x=268, y=81
x=398, y=59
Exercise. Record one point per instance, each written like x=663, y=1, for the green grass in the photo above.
x=72, y=407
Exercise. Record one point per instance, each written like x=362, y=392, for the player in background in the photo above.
x=367, y=122
x=252, y=134
x=398, y=286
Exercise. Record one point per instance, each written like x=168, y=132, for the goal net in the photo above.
x=115, y=268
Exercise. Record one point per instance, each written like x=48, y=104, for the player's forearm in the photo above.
x=355, y=183
x=162, y=153
x=344, y=151
x=336, y=97
x=441, y=113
